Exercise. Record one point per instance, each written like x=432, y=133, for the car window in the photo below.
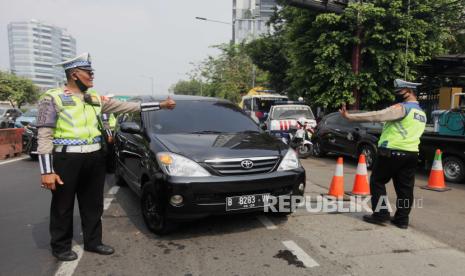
x=201, y=117
x=264, y=104
x=30, y=113
x=2, y=111
x=336, y=120
x=292, y=112
x=247, y=104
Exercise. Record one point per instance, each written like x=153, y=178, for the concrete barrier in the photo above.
x=11, y=143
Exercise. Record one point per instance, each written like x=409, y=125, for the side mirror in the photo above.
x=131, y=127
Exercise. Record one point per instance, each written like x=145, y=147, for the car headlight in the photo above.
x=177, y=165
x=290, y=161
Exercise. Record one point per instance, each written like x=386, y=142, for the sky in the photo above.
x=130, y=39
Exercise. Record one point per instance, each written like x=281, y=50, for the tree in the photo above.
x=228, y=75
x=187, y=87
x=393, y=36
x=17, y=90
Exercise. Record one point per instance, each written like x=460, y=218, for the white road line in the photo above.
x=113, y=190
x=301, y=255
x=14, y=160
x=106, y=203
x=267, y=222
x=67, y=268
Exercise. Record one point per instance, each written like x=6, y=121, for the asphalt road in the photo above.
x=254, y=244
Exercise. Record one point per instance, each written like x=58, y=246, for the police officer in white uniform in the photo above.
x=71, y=161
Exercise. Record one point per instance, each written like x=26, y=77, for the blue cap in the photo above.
x=399, y=84
x=82, y=62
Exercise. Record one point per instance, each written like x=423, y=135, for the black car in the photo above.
x=338, y=135
x=203, y=158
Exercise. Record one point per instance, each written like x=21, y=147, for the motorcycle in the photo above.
x=300, y=137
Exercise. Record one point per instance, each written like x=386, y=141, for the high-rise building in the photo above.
x=34, y=47
x=250, y=18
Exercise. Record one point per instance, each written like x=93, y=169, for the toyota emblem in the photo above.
x=247, y=164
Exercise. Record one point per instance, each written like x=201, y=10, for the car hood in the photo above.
x=201, y=147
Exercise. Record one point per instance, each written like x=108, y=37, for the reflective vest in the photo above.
x=404, y=134
x=77, y=122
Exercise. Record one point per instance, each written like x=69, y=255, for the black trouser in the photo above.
x=83, y=175
x=400, y=167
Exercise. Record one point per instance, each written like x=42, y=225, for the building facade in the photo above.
x=35, y=47
x=250, y=18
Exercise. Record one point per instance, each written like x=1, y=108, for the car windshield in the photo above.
x=292, y=112
x=31, y=113
x=2, y=111
x=202, y=117
x=264, y=104
x=372, y=125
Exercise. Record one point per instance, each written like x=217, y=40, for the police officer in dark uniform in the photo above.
x=397, y=155
x=71, y=161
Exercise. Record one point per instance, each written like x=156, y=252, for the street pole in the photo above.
x=234, y=22
x=151, y=78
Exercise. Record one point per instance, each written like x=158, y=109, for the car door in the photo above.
x=326, y=133
x=127, y=149
x=347, y=135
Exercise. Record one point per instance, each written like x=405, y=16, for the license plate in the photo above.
x=247, y=202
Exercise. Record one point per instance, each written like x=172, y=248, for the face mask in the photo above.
x=399, y=98
x=81, y=85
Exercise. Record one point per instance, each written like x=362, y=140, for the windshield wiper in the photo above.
x=206, y=132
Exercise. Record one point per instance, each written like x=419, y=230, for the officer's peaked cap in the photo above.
x=399, y=84
x=82, y=62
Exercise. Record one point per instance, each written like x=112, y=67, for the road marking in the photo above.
x=300, y=254
x=267, y=222
x=14, y=160
x=113, y=190
x=67, y=268
x=106, y=203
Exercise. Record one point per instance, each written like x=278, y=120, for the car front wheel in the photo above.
x=369, y=153
x=153, y=211
x=317, y=150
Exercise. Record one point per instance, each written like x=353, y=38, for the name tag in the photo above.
x=67, y=100
x=419, y=117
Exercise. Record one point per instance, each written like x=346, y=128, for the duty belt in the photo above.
x=76, y=142
x=78, y=148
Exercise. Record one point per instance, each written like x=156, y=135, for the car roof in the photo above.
x=145, y=98
x=290, y=105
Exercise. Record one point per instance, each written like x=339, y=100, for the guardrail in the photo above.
x=11, y=143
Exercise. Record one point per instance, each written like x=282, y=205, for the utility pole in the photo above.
x=356, y=61
x=234, y=22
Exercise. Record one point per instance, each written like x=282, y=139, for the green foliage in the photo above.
x=187, y=87
x=17, y=90
x=312, y=52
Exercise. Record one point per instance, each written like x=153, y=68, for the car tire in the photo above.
x=370, y=154
x=317, y=150
x=3, y=125
x=153, y=211
x=454, y=169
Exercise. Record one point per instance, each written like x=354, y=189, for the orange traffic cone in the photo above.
x=436, y=178
x=361, y=186
x=336, y=190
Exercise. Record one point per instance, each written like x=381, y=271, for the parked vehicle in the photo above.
x=453, y=154
x=338, y=135
x=30, y=140
x=335, y=134
x=203, y=158
x=26, y=118
x=8, y=116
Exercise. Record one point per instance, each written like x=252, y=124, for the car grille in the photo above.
x=234, y=167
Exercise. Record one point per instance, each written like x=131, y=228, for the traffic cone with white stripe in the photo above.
x=361, y=186
x=336, y=190
x=436, y=178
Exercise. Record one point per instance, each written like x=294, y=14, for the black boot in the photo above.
x=65, y=256
x=376, y=219
x=101, y=249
